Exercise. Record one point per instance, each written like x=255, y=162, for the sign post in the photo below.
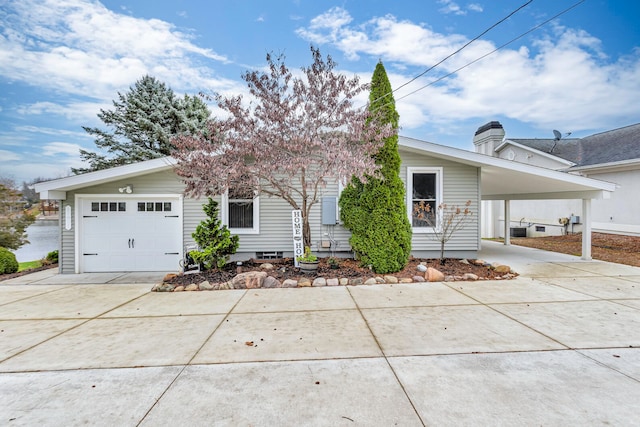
x=298, y=238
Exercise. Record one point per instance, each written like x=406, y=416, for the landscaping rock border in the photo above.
x=260, y=279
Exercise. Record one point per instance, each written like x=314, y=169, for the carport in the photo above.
x=506, y=180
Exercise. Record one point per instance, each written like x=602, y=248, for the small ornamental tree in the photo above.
x=446, y=220
x=215, y=240
x=297, y=132
x=14, y=219
x=375, y=211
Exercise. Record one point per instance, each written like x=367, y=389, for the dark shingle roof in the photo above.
x=611, y=146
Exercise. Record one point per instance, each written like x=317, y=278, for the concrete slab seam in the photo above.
x=509, y=317
x=386, y=359
x=87, y=320
x=204, y=342
x=35, y=295
x=608, y=366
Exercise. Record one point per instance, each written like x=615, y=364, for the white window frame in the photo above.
x=224, y=201
x=417, y=170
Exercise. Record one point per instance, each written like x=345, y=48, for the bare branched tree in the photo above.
x=446, y=220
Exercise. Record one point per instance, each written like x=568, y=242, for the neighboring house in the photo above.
x=612, y=156
x=135, y=217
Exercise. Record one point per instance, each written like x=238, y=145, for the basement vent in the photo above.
x=269, y=255
x=540, y=228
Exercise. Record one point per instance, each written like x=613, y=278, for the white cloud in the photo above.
x=78, y=112
x=49, y=131
x=563, y=79
x=451, y=7
x=81, y=47
x=9, y=156
x=65, y=148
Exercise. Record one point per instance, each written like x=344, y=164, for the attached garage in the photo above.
x=133, y=233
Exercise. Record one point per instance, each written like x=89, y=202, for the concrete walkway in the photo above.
x=557, y=346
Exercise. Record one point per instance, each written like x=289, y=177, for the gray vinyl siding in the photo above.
x=276, y=228
x=165, y=182
x=460, y=183
x=66, y=255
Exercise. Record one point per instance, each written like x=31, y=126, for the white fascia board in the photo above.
x=631, y=164
x=563, y=195
x=59, y=186
x=483, y=160
x=53, y=195
x=508, y=142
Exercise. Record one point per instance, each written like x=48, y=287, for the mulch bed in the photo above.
x=349, y=268
x=605, y=247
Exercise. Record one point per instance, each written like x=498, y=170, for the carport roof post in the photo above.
x=57, y=189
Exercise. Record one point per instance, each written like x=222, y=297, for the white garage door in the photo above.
x=130, y=234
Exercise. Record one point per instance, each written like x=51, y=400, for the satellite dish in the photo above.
x=557, y=134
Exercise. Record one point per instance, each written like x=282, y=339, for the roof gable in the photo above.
x=57, y=188
x=616, y=145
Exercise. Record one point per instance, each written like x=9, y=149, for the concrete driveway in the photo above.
x=556, y=346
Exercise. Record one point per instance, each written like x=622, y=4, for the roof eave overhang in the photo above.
x=57, y=189
x=503, y=179
x=607, y=167
x=561, y=195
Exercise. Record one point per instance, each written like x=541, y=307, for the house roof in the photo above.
x=615, y=146
x=56, y=189
x=500, y=179
x=566, y=148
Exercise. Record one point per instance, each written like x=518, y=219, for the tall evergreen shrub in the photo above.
x=215, y=240
x=375, y=211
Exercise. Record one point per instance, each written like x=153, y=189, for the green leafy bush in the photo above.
x=52, y=257
x=8, y=261
x=215, y=240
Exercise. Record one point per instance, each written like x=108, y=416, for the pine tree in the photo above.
x=144, y=121
x=215, y=240
x=375, y=210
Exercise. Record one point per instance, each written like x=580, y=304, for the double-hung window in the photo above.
x=424, y=189
x=241, y=213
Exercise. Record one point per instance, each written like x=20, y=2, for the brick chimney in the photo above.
x=488, y=137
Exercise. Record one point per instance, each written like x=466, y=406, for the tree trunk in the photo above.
x=306, y=230
x=442, y=252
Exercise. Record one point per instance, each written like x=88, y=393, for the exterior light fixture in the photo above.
x=126, y=189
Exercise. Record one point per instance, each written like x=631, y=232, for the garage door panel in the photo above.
x=136, y=234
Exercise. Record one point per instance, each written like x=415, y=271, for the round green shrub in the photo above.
x=8, y=261
x=52, y=257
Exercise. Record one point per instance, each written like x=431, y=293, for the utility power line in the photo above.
x=493, y=51
x=457, y=51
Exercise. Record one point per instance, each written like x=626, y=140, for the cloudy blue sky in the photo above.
x=63, y=60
